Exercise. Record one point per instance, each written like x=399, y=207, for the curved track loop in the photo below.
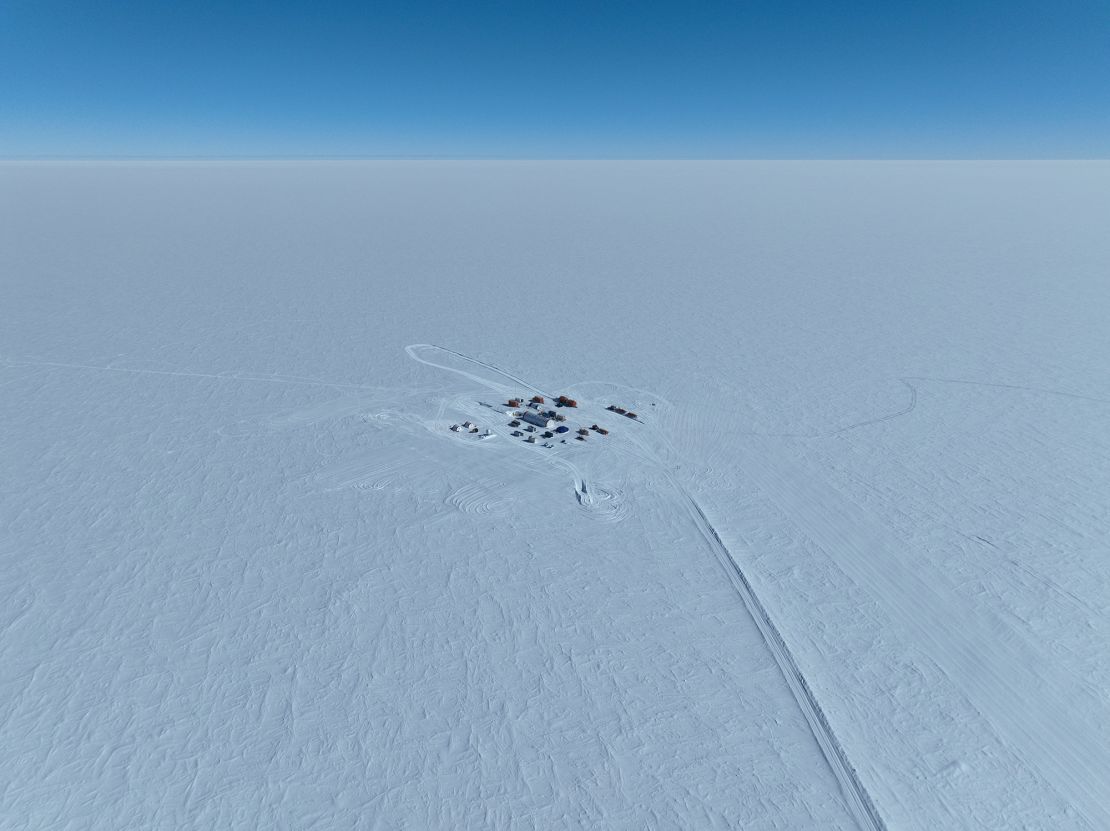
x=600, y=503
x=476, y=499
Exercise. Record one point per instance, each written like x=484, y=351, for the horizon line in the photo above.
x=495, y=158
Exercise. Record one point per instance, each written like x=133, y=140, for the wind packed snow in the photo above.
x=848, y=569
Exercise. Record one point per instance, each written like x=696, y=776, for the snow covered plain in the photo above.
x=851, y=571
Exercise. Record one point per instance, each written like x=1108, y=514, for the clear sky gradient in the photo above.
x=793, y=79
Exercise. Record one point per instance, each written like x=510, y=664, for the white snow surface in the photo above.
x=849, y=569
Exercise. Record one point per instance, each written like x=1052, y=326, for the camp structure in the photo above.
x=539, y=419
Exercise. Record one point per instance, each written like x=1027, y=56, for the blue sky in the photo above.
x=793, y=79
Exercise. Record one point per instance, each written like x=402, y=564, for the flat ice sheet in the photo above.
x=848, y=570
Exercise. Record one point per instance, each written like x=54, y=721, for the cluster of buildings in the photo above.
x=536, y=421
x=469, y=427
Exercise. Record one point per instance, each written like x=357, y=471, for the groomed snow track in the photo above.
x=859, y=800
x=855, y=793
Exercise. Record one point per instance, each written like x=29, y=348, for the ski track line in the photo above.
x=859, y=800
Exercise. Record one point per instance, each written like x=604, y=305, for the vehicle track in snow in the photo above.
x=601, y=503
x=858, y=798
x=477, y=499
x=414, y=350
x=909, y=408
